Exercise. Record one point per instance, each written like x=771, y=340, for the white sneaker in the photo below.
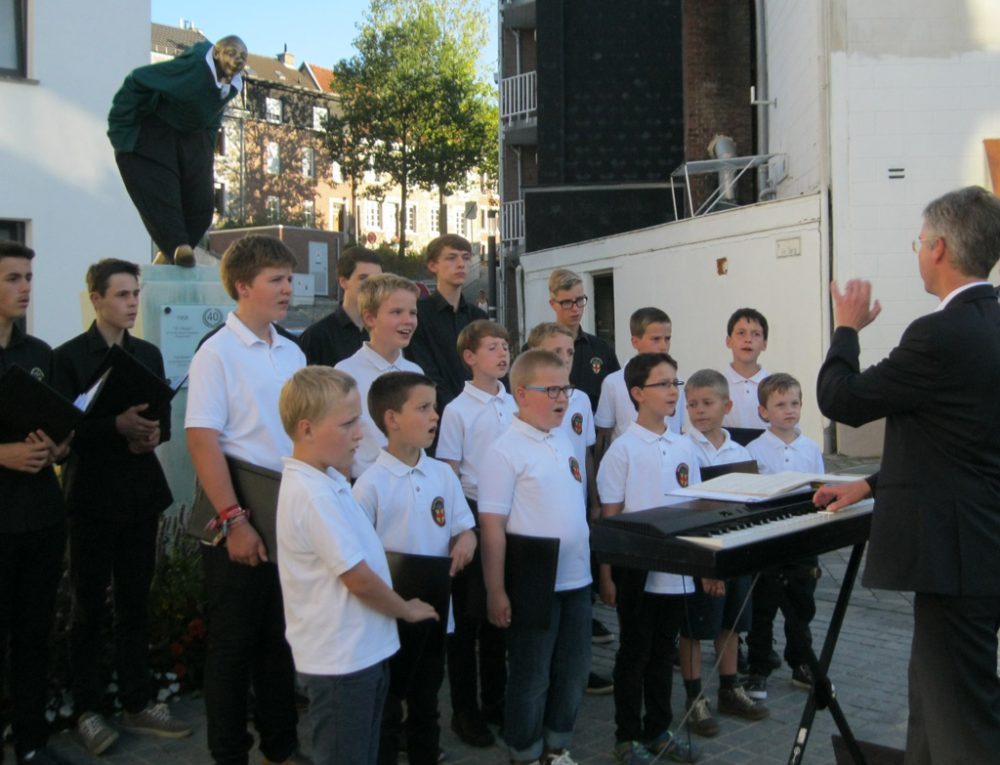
x=97, y=735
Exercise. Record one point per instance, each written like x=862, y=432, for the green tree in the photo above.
x=411, y=102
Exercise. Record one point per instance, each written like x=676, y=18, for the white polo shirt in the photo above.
x=643, y=469
x=414, y=509
x=775, y=456
x=616, y=410
x=471, y=422
x=365, y=366
x=533, y=478
x=322, y=534
x=708, y=455
x=743, y=394
x=234, y=383
x=578, y=425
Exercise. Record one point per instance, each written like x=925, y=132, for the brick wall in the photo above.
x=718, y=72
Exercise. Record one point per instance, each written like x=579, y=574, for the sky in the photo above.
x=318, y=31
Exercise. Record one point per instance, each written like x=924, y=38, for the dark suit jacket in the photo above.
x=936, y=522
x=102, y=478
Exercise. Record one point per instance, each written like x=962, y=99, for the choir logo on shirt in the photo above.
x=682, y=473
x=437, y=510
x=596, y=364
x=574, y=468
x=577, y=423
x=37, y=373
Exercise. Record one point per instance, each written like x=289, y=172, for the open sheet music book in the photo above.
x=751, y=487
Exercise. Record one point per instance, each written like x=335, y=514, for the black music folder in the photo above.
x=256, y=489
x=29, y=404
x=714, y=471
x=743, y=436
x=529, y=578
x=131, y=383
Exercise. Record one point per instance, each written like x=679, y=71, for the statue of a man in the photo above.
x=163, y=125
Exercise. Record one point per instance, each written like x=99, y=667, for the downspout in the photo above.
x=767, y=190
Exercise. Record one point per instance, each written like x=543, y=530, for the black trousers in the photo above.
x=649, y=625
x=103, y=552
x=170, y=179
x=416, y=673
x=31, y=566
x=954, y=689
x=246, y=645
x=464, y=664
x=792, y=588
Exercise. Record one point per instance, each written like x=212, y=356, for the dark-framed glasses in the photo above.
x=552, y=391
x=665, y=384
x=579, y=302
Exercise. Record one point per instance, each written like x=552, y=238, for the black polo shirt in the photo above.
x=433, y=346
x=331, y=339
x=593, y=360
x=102, y=478
x=28, y=501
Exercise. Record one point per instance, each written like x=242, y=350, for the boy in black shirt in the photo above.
x=115, y=491
x=32, y=525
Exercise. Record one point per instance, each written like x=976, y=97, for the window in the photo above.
x=13, y=35
x=434, y=219
x=309, y=213
x=11, y=231
x=272, y=162
x=373, y=216
x=336, y=173
x=390, y=218
x=411, y=218
x=320, y=114
x=308, y=162
x=220, y=198
x=458, y=220
x=370, y=176
x=273, y=210
x=272, y=110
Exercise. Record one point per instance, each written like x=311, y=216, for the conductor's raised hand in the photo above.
x=834, y=496
x=853, y=308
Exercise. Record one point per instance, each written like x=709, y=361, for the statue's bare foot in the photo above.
x=161, y=259
x=184, y=256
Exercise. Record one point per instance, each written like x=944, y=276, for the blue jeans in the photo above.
x=346, y=714
x=547, y=676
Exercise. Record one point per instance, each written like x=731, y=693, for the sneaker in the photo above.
x=675, y=750
x=557, y=758
x=599, y=633
x=97, y=735
x=756, y=687
x=802, y=677
x=700, y=720
x=735, y=702
x=471, y=729
x=155, y=720
x=599, y=686
x=632, y=753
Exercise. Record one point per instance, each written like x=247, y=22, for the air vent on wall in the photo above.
x=896, y=173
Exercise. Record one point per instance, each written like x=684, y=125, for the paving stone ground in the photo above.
x=868, y=670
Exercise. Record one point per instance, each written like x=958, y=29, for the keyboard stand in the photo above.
x=823, y=695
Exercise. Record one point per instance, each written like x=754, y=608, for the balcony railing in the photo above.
x=512, y=221
x=518, y=97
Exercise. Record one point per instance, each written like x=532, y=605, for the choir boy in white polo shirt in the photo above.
x=746, y=337
x=641, y=470
x=783, y=447
x=532, y=487
x=417, y=506
x=388, y=305
x=234, y=383
x=714, y=618
x=339, y=604
x=651, y=331
x=470, y=424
